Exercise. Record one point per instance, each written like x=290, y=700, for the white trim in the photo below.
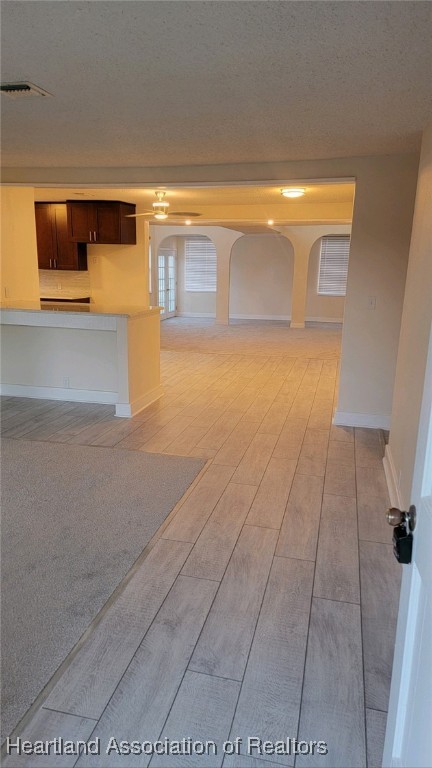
x=196, y=314
x=370, y=420
x=297, y=325
x=338, y=320
x=45, y=318
x=259, y=317
x=83, y=396
x=67, y=181
x=126, y=410
x=59, y=393
x=392, y=480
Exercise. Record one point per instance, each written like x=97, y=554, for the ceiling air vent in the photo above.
x=22, y=90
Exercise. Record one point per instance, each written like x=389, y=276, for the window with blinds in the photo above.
x=200, y=264
x=333, y=266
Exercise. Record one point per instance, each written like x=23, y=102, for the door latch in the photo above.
x=404, y=524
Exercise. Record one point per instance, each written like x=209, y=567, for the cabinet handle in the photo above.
x=90, y=236
x=50, y=263
x=55, y=263
x=94, y=235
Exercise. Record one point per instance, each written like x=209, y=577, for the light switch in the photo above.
x=371, y=302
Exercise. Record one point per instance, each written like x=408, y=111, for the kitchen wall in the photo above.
x=261, y=277
x=119, y=273
x=19, y=267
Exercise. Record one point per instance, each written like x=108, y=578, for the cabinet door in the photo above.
x=45, y=236
x=108, y=223
x=81, y=222
x=69, y=255
x=127, y=226
x=101, y=221
x=112, y=224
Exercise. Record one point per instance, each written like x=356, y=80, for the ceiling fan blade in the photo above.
x=185, y=214
x=135, y=215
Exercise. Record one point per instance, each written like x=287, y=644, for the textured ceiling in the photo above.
x=183, y=83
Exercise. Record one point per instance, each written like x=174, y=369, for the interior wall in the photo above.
x=19, y=264
x=261, y=277
x=416, y=328
x=119, y=273
x=323, y=308
x=380, y=238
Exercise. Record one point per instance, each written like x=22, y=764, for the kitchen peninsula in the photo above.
x=85, y=353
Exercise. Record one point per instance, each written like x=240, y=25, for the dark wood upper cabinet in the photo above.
x=45, y=236
x=101, y=222
x=80, y=222
x=55, y=249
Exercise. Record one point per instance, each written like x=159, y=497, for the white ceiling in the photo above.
x=234, y=204
x=185, y=198
x=181, y=83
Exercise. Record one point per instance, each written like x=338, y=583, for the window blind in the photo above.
x=200, y=264
x=333, y=266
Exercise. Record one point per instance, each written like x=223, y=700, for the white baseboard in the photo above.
x=59, y=393
x=83, y=396
x=196, y=314
x=370, y=420
x=259, y=317
x=126, y=410
x=392, y=479
x=338, y=320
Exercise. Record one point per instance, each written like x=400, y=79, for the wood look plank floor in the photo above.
x=267, y=603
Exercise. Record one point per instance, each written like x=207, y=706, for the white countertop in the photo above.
x=111, y=310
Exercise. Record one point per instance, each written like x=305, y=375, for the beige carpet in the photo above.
x=252, y=337
x=74, y=520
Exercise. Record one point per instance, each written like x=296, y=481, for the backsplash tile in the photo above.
x=74, y=285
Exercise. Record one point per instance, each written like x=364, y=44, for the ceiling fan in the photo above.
x=159, y=210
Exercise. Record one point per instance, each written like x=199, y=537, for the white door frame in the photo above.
x=167, y=281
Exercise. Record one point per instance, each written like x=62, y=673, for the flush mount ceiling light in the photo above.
x=270, y=222
x=293, y=192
